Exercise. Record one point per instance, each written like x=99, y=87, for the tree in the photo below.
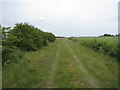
x=108, y=35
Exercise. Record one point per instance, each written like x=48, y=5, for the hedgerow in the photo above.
x=23, y=37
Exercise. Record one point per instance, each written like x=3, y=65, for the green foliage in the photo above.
x=50, y=37
x=36, y=69
x=24, y=37
x=60, y=37
x=28, y=37
x=32, y=68
x=106, y=35
x=9, y=53
x=105, y=45
x=5, y=31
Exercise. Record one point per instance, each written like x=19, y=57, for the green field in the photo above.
x=62, y=64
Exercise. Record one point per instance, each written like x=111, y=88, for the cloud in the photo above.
x=63, y=15
x=76, y=22
x=42, y=19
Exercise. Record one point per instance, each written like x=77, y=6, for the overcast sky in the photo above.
x=63, y=17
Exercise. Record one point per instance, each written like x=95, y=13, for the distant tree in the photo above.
x=59, y=37
x=118, y=34
x=108, y=35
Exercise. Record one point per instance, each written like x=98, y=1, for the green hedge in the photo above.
x=23, y=37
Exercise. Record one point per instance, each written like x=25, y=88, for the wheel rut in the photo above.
x=92, y=82
x=50, y=82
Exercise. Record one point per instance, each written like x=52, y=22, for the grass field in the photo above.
x=63, y=64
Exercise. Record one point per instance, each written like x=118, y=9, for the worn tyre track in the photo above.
x=50, y=82
x=92, y=82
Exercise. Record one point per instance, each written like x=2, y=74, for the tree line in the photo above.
x=23, y=37
x=108, y=35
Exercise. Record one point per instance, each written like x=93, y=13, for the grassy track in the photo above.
x=50, y=82
x=63, y=64
x=91, y=81
x=104, y=68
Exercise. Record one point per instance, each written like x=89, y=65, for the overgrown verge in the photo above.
x=104, y=45
x=23, y=37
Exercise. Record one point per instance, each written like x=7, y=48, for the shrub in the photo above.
x=28, y=37
x=11, y=53
x=50, y=37
x=23, y=37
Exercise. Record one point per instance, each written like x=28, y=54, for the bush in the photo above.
x=28, y=37
x=50, y=37
x=23, y=37
x=11, y=53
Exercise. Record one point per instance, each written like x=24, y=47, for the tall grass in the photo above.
x=105, y=45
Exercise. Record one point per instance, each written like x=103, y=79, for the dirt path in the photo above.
x=50, y=82
x=92, y=82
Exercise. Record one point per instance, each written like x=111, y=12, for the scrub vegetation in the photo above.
x=23, y=37
x=33, y=58
x=105, y=45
